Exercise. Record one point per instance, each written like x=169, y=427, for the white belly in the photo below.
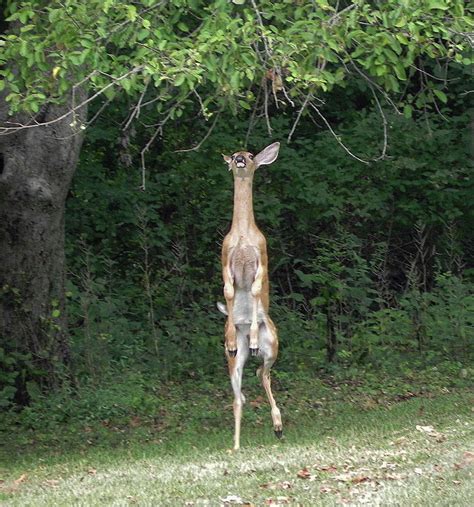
x=243, y=308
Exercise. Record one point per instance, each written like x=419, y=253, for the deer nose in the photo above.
x=240, y=159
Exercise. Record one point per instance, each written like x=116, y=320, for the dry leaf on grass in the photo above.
x=394, y=477
x=354, y=477
x=21, y=479
x=467, y=460
x=52, y=483
x=304, y=473
x=257, y=402
x=327, y=489
x=326, y=468
x=431, y=432
x=425, y=429
x=277, y=485
x=399, y=441
x=279, y=500
x=135, y=421
x=235, y=500
x=360, y=478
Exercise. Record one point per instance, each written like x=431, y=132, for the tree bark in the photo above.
x=36, y=169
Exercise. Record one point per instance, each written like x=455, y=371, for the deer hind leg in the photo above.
x=256, y=297
x=236, y=369
x=269, y=352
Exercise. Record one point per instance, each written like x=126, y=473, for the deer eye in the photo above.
x=251, y=157
x=232, y=157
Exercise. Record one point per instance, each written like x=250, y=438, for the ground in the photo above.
x=341, y=446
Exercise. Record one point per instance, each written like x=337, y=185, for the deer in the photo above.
x=249, y=330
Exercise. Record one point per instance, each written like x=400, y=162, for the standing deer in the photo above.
x=245, y=273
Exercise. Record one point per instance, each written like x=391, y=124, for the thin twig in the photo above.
x=99, y=112
x=375, y=85
x=262, y=29
x=159, y=130
x=196, y=148
x=136, y=110
x=286, y=93
x=300, y=112
x=443, y=79
x=336, y=137
x=265, y=106
x=332, y=20
x=72, y=111
x=252, y=117
x=385, y=125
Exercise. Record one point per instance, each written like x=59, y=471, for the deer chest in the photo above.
x=244, y=264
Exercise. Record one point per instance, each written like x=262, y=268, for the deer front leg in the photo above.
x=229, y=294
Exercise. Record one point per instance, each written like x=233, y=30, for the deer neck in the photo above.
x=243, y=218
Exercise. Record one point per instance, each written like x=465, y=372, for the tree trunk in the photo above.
x=36, y=168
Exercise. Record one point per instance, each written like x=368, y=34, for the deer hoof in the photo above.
x=232, y=353
x=254, y=352
x=278, y=433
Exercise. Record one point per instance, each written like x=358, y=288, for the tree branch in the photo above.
x=196, y=148
x=336, y=137
x=4, y=130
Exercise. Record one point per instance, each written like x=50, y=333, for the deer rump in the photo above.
x=244, y=265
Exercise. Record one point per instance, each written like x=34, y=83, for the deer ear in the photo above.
x=227, y=158
x=268, y=155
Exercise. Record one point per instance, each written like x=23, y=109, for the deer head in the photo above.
x=244, y=164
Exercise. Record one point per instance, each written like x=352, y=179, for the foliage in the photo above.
x=369, y=261
x=343, y=246
x=222, y=50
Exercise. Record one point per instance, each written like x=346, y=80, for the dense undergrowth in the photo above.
x=370, y=266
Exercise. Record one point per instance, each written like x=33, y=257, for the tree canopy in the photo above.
x=230, y=54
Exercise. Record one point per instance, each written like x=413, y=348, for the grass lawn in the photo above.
x=345, y=449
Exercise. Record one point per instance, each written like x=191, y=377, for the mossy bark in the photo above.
x=37, y=166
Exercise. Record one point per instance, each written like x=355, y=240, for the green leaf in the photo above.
x=244, y=104
x=56, y=313
x=402, y=38
x=34, y=106
x=408, y=110
x=143, y=34
x=180, y=80
x=437, y=4
x=131, y=12
x=235, y=80
x=400, y=71
x=441, y=96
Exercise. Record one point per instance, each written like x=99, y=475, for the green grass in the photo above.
x=350, y=448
